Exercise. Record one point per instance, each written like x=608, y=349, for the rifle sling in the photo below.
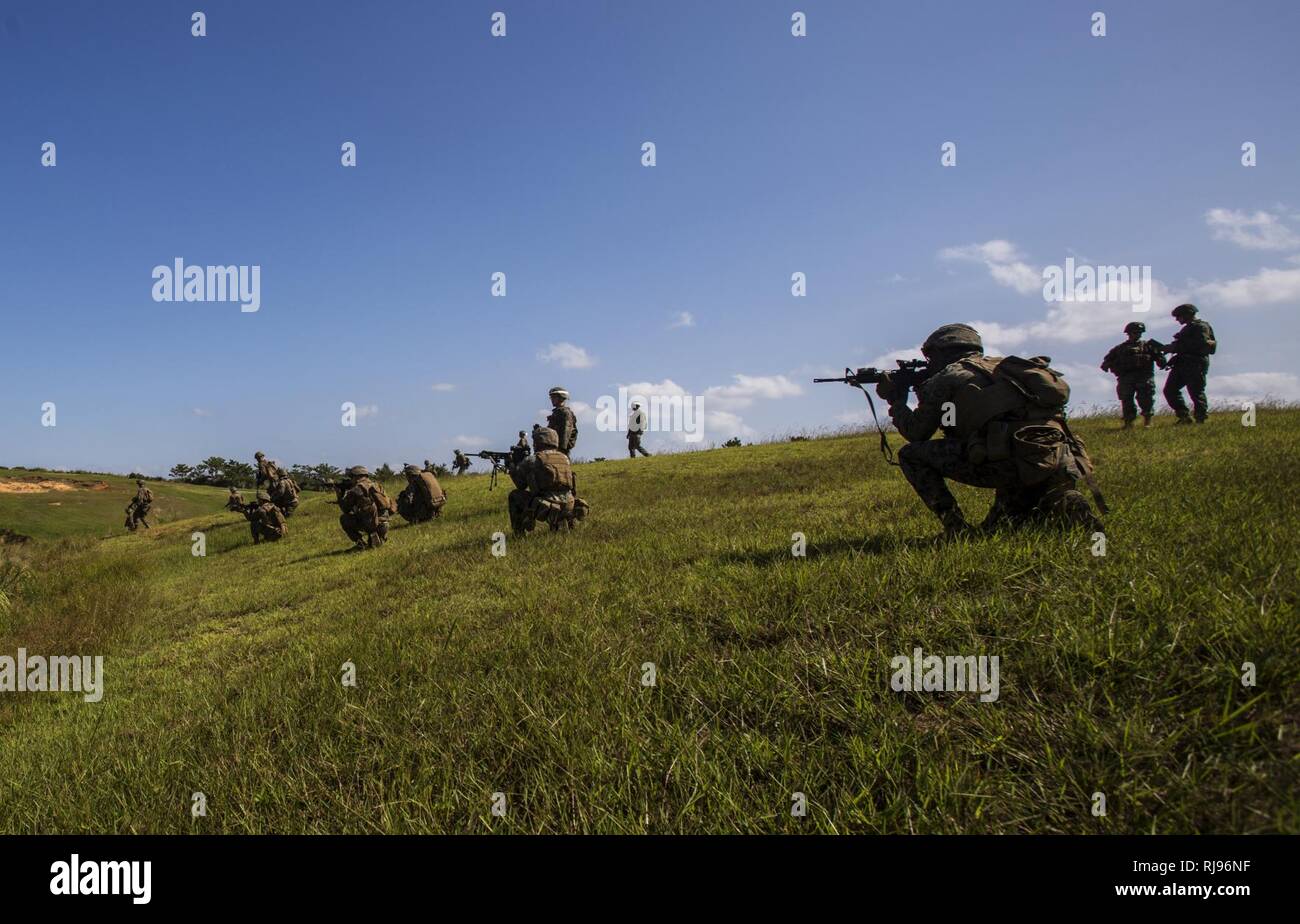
x=1088, y=477
x=885, y=449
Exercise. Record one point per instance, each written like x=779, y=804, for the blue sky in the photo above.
x=522, y=155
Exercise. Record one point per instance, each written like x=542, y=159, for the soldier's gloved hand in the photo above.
x=888, y=389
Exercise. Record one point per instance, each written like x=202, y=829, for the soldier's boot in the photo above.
x=359, y=546
x=954, y=523
x=1182, y=419
x=1074, y=510
x=1128, y=423
x=1146, y=420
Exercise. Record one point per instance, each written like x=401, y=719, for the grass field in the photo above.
x=95, y=504
x=522, y=674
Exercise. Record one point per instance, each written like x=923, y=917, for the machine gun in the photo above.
x=909, y=375
x=501, y=462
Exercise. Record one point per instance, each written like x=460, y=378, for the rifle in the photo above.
x=501, y=461
x=909, y=374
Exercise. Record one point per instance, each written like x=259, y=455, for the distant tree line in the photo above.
x=232, y=473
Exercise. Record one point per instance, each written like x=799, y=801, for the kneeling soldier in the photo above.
x=1003, y=423
x=423, y=498
x=365, y=509
x=545, y=488
x=265, y=519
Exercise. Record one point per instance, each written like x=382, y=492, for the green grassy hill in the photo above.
x=90, y=505
x=522, y=674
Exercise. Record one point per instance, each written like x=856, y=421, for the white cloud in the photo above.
x=1253, y=386
x=683, y=319
x=1259, y=231
x=470, y=442
x=723, y=425
x=748, y=388
x=1066, y=321
x=1004, y=262
x=202, y=412
x=443, y=386
x=568, y=355
x=1267, y=287
x=721, y=402
x=367, y=410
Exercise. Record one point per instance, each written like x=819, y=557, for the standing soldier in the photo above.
x=423, y=497
x=1133, y=363
x=265, y=519
x=562, y=421
x=138, y=509
x=266, y=469
x=460, y=464
x=520, y=450
x=1003, y=428
x=635, y=427
x=1192, y=348
x=365, y=510
x=428, y=467
x=235, y=502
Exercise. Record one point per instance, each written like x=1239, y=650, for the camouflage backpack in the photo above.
x=1014, y=384
x=273, y=521
x=358, y=502
x=1041, y=385
x=553, y=472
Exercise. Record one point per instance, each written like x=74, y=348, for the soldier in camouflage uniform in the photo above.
x=460, y=463
x=365, y=509
x=235, y=502
x=1192, y=348
x=267, y=471
x=428, y=467
x=139, y=508
x=1133, y=363
x=545, y=488
x=562, y=420
x=265, y=519
x=635, y=427
x=520, y=450
x=994, y=436
x=423, y=497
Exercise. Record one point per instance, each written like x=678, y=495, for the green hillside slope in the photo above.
x=90, y=505
x=522, y=674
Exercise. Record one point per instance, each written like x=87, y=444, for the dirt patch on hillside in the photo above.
x=35, y=484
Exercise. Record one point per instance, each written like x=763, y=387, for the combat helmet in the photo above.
x=953, y=338
x=263, y=497
x=259, y=455
x=410, y=469
x=558, y=392
x=545, y=438
x=1135, y=327
x=1188, y=309
x=358, y=471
